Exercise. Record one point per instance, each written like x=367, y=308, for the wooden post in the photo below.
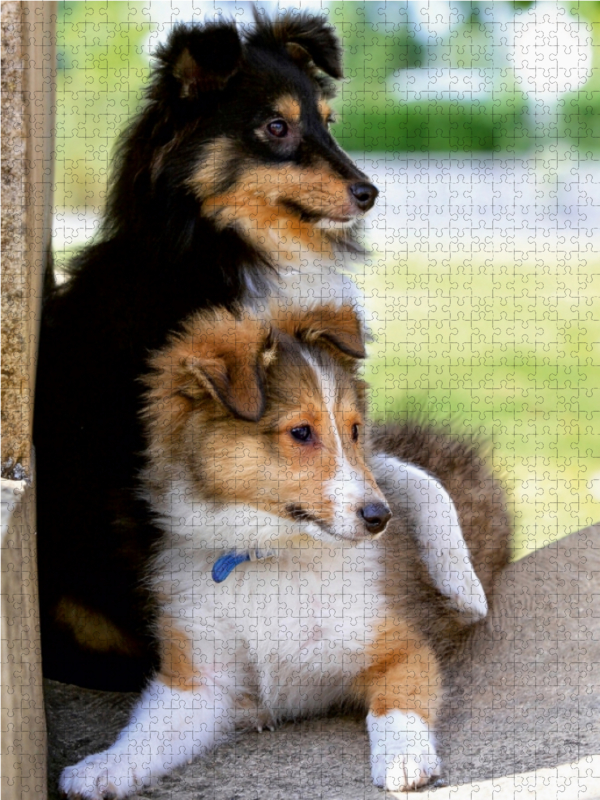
x=28, y=75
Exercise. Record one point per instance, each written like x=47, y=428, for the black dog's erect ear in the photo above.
x=305, y=37
x=201, y=58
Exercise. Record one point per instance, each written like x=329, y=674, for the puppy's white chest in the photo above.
x=307, y=621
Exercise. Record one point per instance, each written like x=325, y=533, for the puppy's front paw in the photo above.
x=102, y=776
x=266, y=722
x=403, y=753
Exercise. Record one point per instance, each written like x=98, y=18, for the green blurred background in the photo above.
x=480, y=124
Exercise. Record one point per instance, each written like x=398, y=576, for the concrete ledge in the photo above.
x=525, y=691
x=522, y=717
x=577, y=781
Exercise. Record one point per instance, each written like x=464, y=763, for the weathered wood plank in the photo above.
x=23, y=721
x=28, y=77
x=27, y=83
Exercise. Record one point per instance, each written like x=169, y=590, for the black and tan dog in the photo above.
x=228, y=189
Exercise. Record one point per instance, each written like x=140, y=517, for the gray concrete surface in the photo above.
x=523, y=693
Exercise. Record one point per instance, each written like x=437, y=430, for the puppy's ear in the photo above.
x=226, y=359
x=337, y=328
x=198, y=59
x=305, y=37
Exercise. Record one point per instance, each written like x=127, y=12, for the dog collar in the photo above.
x=225, y=565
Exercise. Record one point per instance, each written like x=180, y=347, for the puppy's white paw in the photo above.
x=409, y=772
x=102, y=776
x=403, y=753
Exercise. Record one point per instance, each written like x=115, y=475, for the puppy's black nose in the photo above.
x=376, y=516
x=364, y=195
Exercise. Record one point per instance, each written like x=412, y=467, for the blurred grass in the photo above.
x=508, y=349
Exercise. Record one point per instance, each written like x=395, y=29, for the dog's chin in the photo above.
x=337, y=223
x=343, y=535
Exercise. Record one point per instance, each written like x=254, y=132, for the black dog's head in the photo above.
x=239, y=124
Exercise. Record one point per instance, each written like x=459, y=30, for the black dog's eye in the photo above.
x=303, y=433
x=355, y=433
x=279, y=128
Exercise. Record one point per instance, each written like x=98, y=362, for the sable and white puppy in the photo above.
x=276, y=582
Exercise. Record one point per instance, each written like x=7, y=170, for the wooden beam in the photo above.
x=28, y=76
x=28, y=92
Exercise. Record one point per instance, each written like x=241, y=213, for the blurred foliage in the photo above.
x=382, y=41
x=376, y=47
x=104, y=54
x=580, y=111
x=102, y=63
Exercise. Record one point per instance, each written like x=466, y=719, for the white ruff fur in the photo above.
x=306, y=278
x=318, y=280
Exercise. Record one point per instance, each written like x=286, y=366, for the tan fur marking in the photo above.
x=347, y=413
x=404, y=674
x=93, y=630
x=221, y=360
x=270, y=471
x=176, y=663
x=256, y=206
x=216, y=154
x=324, y=110
x=316, y=187
x=289, y=108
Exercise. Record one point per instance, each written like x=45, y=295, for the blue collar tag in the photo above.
x=224, y=566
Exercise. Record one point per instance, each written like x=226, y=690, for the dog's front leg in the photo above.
x=403, y=693
x=167, y=728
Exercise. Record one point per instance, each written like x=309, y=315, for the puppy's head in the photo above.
x=268, y=414
x=244, y=129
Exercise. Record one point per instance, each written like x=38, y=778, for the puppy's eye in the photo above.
x=354, y=433
x=303, y=433
x=278, y=128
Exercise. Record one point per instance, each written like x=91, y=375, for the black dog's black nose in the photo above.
x=376, y=516
x=364, y=195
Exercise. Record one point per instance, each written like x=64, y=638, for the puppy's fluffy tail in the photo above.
x=457, y=461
